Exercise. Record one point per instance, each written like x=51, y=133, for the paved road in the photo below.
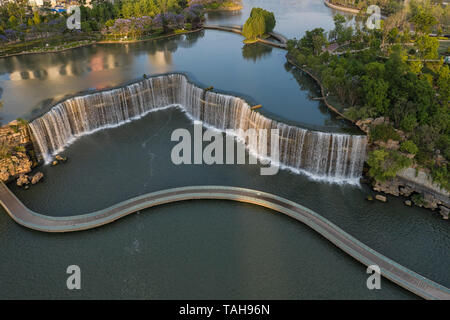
x=391, y=270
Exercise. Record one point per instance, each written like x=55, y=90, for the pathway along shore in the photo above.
x=391, y=270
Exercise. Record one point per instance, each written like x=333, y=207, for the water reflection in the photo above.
x=255, y=51
x=93, y=59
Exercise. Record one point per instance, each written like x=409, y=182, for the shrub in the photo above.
x=383, y=132
x=441, y=175
x=409, y=146
x=417, y=199
x=384, y=164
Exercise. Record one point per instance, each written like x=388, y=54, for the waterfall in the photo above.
x=330, y=156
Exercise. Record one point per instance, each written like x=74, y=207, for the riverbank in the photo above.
x=237, y=7
x=414, y=183
x=72, y=45
x=322, y=89
x=84, y=44
x=17, y=153
x=341, y=8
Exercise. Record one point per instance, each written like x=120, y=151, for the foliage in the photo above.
x=441, y=175
x=258, y=24
x=383, y=132
x=384, y=164
x=409, y=146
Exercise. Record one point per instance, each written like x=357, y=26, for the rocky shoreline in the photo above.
x=17, y=151
x=414, y=183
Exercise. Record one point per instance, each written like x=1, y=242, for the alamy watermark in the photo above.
x=74, y=20
x=74, y=280
x=374, y=20
x=189, y=150
x=374, y=280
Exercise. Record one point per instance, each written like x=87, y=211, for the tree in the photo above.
x=428, y=47
x=313, y=41
x=36, y=18
x=259, y=23
x=423, y=20
x=385, y=164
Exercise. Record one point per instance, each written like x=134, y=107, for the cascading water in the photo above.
x=334, y=157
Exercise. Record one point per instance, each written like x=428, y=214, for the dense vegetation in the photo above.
x=258, y=24
x=430, y=10
x=403, y=80
x=127, y=18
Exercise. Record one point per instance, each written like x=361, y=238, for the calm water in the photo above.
x=211, y=58
x=197, y=249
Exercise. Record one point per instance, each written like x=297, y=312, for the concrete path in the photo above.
x=391, y=270
x=280, y=42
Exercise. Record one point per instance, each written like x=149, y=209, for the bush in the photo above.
x=441, y=175
x=383, y=132
x=409, y=146
x=384, y=164
x=417, y=199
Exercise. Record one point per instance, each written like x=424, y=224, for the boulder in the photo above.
x=60, y=158
x=408, y=203
x=381, y=198
x=55, y=162
x=37, y=177
x=445, y=212
x=406, y=191
x=390, y=144
x=390, y=186
x=23, y=180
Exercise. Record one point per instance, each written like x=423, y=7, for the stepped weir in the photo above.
x=329, y=156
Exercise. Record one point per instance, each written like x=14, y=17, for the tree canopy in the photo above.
x=259, y=23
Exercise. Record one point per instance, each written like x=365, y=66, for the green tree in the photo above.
x=259, y=23
x=409, y=146
x=385, y=164
x=36, y=18
x=428, y=47
x=423, y=20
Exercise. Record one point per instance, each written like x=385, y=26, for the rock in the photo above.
x=61, y=159
x=389, y=186
x=380, y=120
x=408, y=203
x=55, y=162
x=364, y=125
x=390, y=144
x=37, y=177
x=381, y=198
x=406, y=191
x=23, y=180
x=444, y=211
x=369, y=197
x=26, y=187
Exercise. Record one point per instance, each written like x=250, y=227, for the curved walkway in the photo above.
x=282, y=40
x=391, y=270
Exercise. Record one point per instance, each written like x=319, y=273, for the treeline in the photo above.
x=383, y=82
x=104, y=13
x=134, y=17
